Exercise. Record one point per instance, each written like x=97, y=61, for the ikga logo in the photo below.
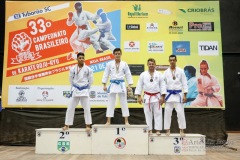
x=21, y=43
x=120, y=143
x=152, y=27
x=63, y=146
x=208, y=48
x=21, y=97
x=156, y=47
x=137, y=12
x=181, y=48
x=175, y=29
x=131, y=46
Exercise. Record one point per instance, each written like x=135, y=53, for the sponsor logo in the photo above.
x=177, y=149
x=63, y=146
x=137, y=12
x=120, y=143
x=208, y=48
x=45, y=98
x=92, y=94
x=67, y=94
x=181, y=48
x=164, y=11
x=31, y=13
x=132, y=26
x=200, y=26
x=175, y=28
x=21, y=97
x=198, y=10
x=152, y=27
x=156, y=47
x=131, y=46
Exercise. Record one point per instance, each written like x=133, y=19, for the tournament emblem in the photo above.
x=120, y=143
x=177, y=149
x=67, y=94
x=63, y=146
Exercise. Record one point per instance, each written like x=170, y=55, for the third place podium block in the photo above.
x=191, y=144
x=120, y=139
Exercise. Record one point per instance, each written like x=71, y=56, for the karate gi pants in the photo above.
x=155, y=113
x=180, y=115
x=84, y=100
x=112, y=103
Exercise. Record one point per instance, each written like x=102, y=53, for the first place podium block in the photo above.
x=120, y=139
x=56, y=141
x=191, y=144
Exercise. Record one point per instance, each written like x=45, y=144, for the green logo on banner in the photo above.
x=183, y=10
x=137, y=12
x=63, y=146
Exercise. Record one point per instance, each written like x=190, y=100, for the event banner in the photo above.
x=43, y=38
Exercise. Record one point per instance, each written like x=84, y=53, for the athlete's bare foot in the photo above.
x=108, y=121
x=126, y=121
x=88, y=128
x=168, y=132
x=158, y=133
x=150, y=132
x=66, y=127
x=182, y=134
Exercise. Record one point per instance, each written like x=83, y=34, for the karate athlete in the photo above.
x=208, y=86
x=83, y=36
x=154, y=87
x=81, y=79
x=190, y=73
x=105, y=29
x=117, y=70
x=177, y=89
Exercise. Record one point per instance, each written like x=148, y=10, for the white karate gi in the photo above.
x=208, y=97
x=78, y=40
x=180, y=83
x=106, y=28
x=79, y=77
x=114, y=89
x=151, y=103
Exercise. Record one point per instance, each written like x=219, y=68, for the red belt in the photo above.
x=83, y=27
x=152, y=94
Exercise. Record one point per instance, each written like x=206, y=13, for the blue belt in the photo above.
x=116, y=82
x=173, y=92
x=81, y=88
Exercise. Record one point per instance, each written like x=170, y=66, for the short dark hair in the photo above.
x=152, y=60
x=173, y=56
x=117, y=49
x=80, y=54
x=191, y=70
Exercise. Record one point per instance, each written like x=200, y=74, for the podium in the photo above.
x=120, y=139
x=56, y=141
x=191, y=144
x=116, y=139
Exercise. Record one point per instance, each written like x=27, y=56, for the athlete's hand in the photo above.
x=105, y=88
x=70, y=16
x=140, y=100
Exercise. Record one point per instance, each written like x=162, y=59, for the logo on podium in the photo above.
x=63, y=146
x=120, y=143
